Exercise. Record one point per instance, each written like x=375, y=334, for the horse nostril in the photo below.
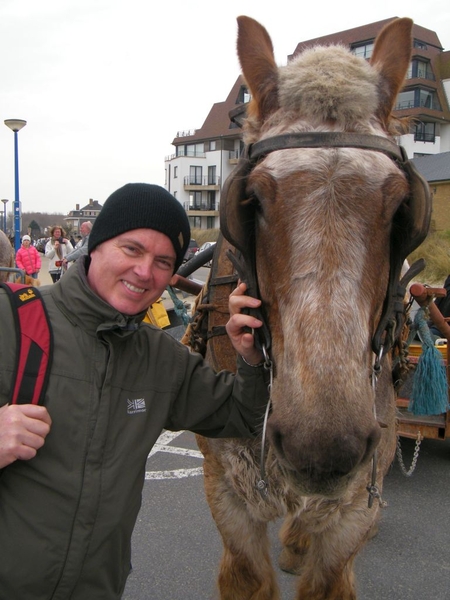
x=319, y=458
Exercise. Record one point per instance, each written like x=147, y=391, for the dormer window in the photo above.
x=363, y=50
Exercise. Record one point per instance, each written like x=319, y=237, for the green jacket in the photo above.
x=66, y=516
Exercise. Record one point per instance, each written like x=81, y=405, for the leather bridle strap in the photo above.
x=326, y=139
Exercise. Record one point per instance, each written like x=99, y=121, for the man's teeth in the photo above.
x=134, y=288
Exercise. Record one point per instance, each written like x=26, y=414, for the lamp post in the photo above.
x=5, y=201
x=16, y=125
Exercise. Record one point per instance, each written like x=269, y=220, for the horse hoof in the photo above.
x=290, y=562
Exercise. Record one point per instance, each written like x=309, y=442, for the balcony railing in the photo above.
x=204, y=181
x=407, y=104
x=191, y=153
x=421, y=74
x=420, y=136
x=201, y=206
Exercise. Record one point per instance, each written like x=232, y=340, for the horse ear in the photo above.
x=237, y=215
x=255, y=52
x=391, y=57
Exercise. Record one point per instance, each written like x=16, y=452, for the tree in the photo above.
x=34, y=230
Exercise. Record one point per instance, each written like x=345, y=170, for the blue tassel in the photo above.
x=429, y=394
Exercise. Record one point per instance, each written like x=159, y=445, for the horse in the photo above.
x=318, y=218
x=6, y=256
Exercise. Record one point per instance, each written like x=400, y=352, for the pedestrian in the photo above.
x=73, y=469
x=28, y=258
x=81, y=249
x=56, y=249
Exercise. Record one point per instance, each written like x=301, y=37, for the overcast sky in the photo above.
x=105, y=85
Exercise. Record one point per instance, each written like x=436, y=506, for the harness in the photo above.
x=237, y=219
x=410, y=226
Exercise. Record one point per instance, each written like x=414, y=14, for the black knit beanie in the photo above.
x=138, y=205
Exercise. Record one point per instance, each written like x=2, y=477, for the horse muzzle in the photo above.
x=320, y=461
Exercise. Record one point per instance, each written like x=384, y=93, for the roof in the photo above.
x=366, y=33
x=434, y=167
x=217, y=123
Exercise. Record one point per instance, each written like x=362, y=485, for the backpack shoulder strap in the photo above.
x=34, y=343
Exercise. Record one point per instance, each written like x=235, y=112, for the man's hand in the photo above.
x=23, y=429
x=242, y=340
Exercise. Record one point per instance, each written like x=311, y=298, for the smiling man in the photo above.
x=73, y=469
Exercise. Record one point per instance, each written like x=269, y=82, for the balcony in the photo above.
x=233, y=157
x=421, y=136
x=195, y=184
x=421, y=74
x=409, y=104
x=202, y=209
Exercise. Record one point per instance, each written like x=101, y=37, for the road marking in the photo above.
x=162, y=445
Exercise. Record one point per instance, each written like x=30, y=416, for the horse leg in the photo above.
x=327, y=568
x=245, y=572
x=295, y=544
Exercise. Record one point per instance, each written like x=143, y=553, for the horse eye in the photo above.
x=253, y=200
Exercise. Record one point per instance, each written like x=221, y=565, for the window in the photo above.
x=175, y=172
x=363, y=50
x=420, y=45
x=191, y=150
x=418, y=97
x=210, y=222
x=195, y=200
x=420, y=68
x=195, y=175
x=211, y=202
x=424, y=132
x=243, y=96
x=212, y=175
x=212, y=145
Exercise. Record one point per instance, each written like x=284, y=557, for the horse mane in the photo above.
x=6, y=255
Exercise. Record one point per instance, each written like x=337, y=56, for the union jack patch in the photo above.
x=136, y=406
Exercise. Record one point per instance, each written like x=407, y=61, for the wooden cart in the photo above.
x=423, y=426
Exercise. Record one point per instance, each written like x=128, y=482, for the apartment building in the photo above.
x=204, y=158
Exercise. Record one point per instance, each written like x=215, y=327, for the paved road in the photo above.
x=176, y=547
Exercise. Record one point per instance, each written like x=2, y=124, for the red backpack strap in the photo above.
x=34, y=341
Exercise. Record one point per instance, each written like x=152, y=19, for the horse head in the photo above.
x=329, y=207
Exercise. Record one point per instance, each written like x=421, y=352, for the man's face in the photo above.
x=132, y=270
x=84, y=229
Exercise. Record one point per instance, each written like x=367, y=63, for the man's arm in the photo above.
x=81, y=251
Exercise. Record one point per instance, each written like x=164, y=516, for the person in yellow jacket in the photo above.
x=157, y=315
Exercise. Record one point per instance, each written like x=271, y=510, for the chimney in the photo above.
x=77, y=207
x=91, y=201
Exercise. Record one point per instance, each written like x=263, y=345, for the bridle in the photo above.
x=392, y=315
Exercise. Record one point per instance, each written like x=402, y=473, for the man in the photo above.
x=73, y=469
x=81, y=249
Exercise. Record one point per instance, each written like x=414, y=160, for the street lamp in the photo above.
x=16, y=125
x=5, y=201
